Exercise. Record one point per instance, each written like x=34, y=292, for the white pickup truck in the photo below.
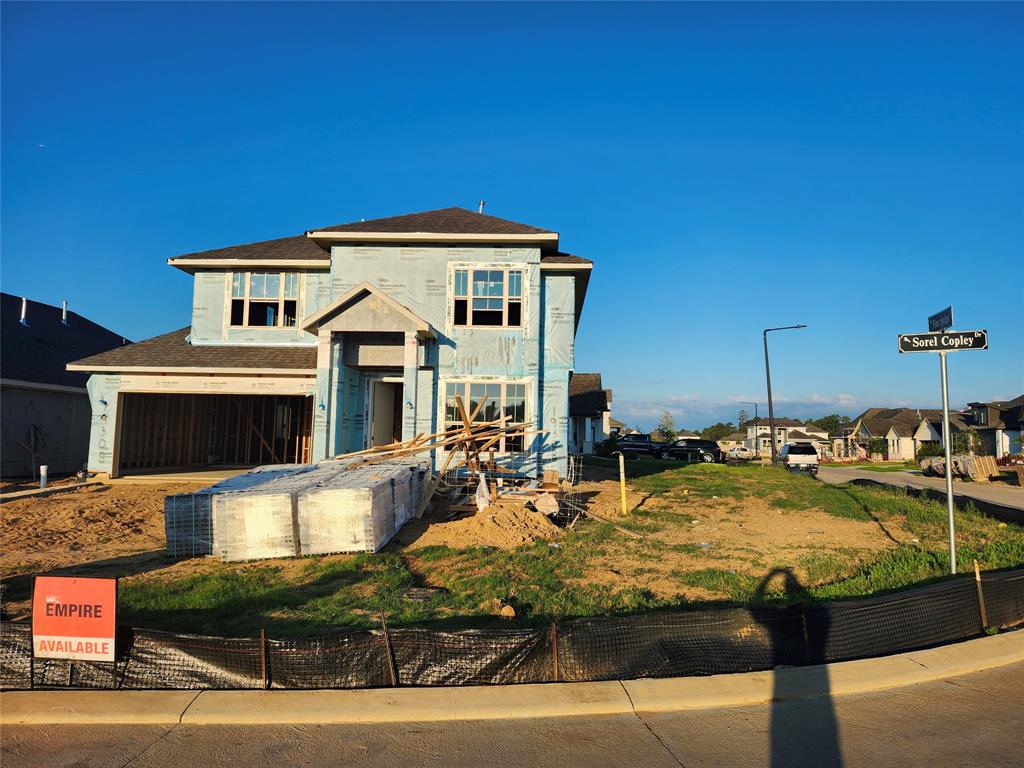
x=799, y=457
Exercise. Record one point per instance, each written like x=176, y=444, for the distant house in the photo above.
x=905, y=431
x=686, y=433
x=616, y=427
x=46, y=413
x=589, y=412
x=734, y=440
x=758, y=438
x=998, y=426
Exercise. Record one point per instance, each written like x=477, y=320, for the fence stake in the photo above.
x=392, y=667
x=263, y=658
x=981, y=596
x=554, y=650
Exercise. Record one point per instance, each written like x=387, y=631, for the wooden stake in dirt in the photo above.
x=981, y=597
x=554, y=651
x=622, y=481
x=263, y=658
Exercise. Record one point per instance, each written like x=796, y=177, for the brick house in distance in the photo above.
x=346, y=337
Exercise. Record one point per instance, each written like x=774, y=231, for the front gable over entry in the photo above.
x=368, y=309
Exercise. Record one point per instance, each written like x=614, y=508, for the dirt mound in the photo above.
x=504, y=525
x=99, y=522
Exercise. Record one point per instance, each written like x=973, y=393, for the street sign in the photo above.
x=943, y=341
x=941, y=321
x=73, y=618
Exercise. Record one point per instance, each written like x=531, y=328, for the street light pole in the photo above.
x=768, y=376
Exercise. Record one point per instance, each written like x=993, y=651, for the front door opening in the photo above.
x=385, y=413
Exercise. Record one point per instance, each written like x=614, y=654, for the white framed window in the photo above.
x=487, y=298
x=264, y=299
x=498, y=397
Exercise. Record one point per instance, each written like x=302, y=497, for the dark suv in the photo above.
x=691, y=450
x=635, y=445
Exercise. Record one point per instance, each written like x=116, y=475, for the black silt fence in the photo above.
x=660, y=644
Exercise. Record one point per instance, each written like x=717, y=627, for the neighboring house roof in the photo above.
x=616, y=424
x=686, y=433
x=586, y=396
x=762, y=421
x=878, y=421
x=1010, y=413
x=173, y=351
x=39, y=352
x=796, y=434
x=453, y=221
x=735, y=437
x=445, y=221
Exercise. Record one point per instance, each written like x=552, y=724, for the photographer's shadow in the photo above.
x=804, y=731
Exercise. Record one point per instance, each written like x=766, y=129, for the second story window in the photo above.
x=488, y=297
x=264, y=299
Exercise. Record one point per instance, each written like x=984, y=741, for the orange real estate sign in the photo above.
x=73, y=618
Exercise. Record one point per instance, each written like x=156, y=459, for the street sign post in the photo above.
x=941, y=321
x=942, y=340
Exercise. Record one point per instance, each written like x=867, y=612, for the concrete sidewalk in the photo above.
x=994, y=493
x=555, y=700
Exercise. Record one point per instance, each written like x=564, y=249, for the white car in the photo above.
x=799, y=457
x=740, y=453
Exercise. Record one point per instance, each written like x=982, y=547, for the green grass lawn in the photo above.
x=549, y=581
x=908, y=466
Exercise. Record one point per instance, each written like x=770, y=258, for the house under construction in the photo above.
x=347, y=337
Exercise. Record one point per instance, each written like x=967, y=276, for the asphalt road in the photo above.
x=997, y=493
x=976, y=720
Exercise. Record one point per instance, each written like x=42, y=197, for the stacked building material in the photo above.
x=283, y=511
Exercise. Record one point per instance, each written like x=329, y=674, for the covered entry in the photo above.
x=165, y=431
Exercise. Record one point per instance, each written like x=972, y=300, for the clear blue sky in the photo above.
x=727, y=168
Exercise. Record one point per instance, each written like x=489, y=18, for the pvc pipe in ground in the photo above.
x=43, y=475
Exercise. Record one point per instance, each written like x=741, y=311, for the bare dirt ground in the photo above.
x=117, y=530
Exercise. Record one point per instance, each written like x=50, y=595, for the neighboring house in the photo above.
x=905, y=431
x=46, y=413
x=616, y=427
x=589, y=412
x=350, y=336
x=734, y=440
x=998, y=426
x=686, y=433
x=758, y=437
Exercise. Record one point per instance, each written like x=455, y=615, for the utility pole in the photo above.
x=768, y=376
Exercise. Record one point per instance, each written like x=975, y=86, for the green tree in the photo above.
x=666, y=428
x=718, y=431
x=833, y=424
x=744, y=417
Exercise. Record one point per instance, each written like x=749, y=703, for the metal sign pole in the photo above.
x=949, y=462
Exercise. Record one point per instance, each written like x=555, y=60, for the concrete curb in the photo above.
x=392, y=705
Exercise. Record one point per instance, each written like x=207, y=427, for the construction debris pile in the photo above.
x=473, y=476
x=976, y=468
x=359, y=501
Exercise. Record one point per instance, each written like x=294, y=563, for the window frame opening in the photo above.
x=487, y=297
x=272, y=297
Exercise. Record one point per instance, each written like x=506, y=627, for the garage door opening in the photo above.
x=159, y=431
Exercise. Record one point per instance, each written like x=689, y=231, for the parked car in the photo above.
x=799, y=457
x=637, y=444
x=740, y=452
x=691, y=450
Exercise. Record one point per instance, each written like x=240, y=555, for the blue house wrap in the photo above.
x=346, y=337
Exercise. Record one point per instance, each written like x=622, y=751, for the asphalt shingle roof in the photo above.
x=586, y=396
x=298, y=247
x=448, y=221
x=38, y=352
x=172, y=350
